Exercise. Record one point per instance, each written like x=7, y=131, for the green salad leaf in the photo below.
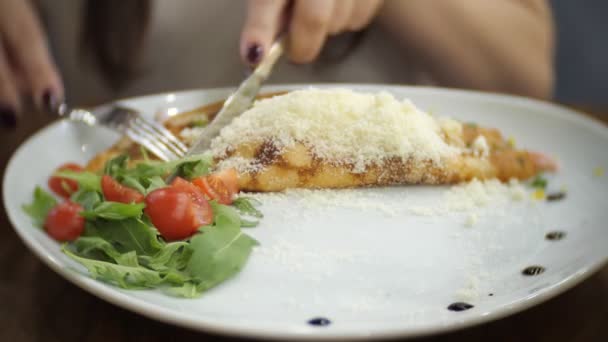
x=127, y=235
x=86, y=198
x=125, y=276
x=86, y=180
x=219, y=251
x=121, y=246
x=116, y=166
x=174, y=255
x=41, y=204
x=114, y=211
x=246, y=207
x=193, y=169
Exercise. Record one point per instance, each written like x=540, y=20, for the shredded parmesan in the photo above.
x=480, y=147
x=340, y=126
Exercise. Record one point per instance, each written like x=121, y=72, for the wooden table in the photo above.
x=38, y=305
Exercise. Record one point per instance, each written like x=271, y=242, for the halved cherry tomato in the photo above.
x=177, y=212
x=62, y=186
x=214, y=188
x=193, y=190
x=64, y=223
x=230, y=178
x=116, y=192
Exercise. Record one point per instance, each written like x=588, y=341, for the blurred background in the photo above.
x=582, y=53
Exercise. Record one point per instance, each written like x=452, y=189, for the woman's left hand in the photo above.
x=308, y=24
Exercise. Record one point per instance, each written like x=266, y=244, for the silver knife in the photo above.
x=240, y=100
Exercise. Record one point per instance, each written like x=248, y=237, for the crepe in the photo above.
x=338, y=138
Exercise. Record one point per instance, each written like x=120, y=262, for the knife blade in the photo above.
x=240, y=100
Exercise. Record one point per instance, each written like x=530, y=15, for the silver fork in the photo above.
x=151, y=135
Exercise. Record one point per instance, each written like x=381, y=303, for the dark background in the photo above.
x=582, y=52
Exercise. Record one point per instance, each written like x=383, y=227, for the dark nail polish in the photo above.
x=49, y=101
x=254, y=53
x=8, y=118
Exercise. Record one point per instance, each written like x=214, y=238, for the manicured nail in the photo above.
x=254, y=53
x=50, y=101
x=8, y=118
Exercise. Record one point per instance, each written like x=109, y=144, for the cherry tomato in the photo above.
x=62, y=186
x=214, y=189
x=177, y=212
x=230, y=178
x=64, y=223
x=116, y=192
x=183, y=185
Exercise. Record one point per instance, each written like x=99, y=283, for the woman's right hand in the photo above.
x=26, y=66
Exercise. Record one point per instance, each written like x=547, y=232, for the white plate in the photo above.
x=373, y=268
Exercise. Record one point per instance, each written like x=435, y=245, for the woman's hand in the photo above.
x=26, y=67
x=307, y=22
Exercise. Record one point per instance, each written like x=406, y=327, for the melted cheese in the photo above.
x=340, y=126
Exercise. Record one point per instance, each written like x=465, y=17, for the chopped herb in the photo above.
x=539, y=182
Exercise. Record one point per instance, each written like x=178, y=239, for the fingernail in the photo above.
x=254, y=53
x=50, y=101
x=8, y=118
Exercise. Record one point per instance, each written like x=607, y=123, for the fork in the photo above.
x=151, y=135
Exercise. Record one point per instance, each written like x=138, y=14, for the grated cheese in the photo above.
x=340, y=126
x=480, y=147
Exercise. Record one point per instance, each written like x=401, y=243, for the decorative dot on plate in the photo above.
x=460, y=306
x=533, y=270
x=556, y=196
x=319, y=321
x=555, y=235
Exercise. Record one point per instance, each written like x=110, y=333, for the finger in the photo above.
x=27, y=47
x=9, y=94
x=308, y=29
x=362, y=14
x=340, y=16
x=262, y=24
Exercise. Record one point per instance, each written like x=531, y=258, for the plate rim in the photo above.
x=116, y=297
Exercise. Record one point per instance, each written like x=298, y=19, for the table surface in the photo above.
x=38, y=305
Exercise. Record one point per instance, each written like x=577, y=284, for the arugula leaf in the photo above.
x=127, y=235
x=41, y=204
x=187, y=290
x=128, y=277
x=154, y=183
x=220, y=251
x=116, y=166
x=114, y=211
x=244, y=206
x=174, y=255
x=86, y=180
x=133, y=183
x=248, y=224
x=86, y=198
x=224, y=215
x=192, y=169
x=94, y=247
x=128, y=259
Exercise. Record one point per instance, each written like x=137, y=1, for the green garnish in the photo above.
x=121, y=246
x=539, y=182
x=42, y=203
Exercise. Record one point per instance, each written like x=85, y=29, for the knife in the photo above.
x=240, y=100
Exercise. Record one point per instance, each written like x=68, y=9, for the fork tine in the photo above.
x=166, y=135
x=163, y=135
x=151, y=142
